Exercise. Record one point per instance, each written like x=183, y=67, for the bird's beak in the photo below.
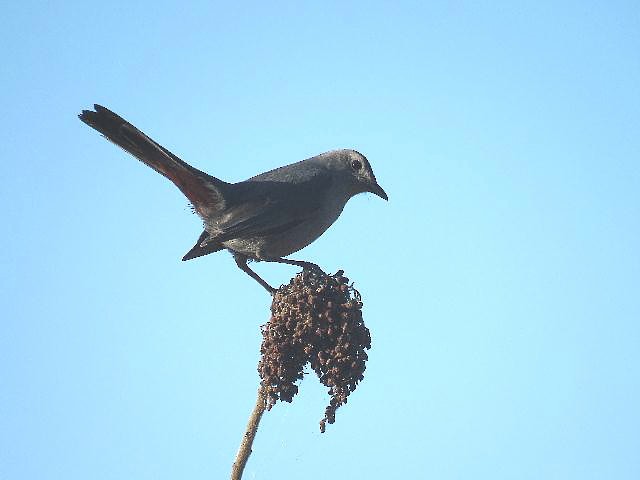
x=377, y=190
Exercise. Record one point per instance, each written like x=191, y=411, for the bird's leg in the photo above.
x=241, y=261
x=299, y=263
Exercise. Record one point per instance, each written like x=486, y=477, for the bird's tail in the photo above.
x=205, y=192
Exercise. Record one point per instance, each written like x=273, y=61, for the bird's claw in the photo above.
x=312, y=270
x=311, y=267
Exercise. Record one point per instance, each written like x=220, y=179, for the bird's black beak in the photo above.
x=377, y=190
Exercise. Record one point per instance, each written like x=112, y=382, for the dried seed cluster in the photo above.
x=316, y=319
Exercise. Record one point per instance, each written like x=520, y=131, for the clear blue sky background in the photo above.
x=501, y=281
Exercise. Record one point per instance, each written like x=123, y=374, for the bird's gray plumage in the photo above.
x=266, y=217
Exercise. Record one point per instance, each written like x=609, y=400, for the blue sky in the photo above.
x=501, y=281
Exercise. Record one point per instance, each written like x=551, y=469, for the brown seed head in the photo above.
x=316, y=319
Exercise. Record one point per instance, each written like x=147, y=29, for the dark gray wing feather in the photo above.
x=266, y=208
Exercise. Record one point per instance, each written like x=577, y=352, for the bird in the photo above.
x=265, y=218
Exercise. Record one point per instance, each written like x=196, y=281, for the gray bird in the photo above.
x=264, y=218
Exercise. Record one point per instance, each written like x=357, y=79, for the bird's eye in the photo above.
x=356, y=165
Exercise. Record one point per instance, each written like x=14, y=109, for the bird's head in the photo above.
x=354, y=169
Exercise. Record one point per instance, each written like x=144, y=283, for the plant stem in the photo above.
x=247, y=440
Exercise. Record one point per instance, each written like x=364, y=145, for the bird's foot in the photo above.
x=311, y=270
x=310, y=267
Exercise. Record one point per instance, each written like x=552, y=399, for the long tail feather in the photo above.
x=205, y=192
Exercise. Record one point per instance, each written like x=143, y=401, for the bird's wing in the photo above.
x=268, y=208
